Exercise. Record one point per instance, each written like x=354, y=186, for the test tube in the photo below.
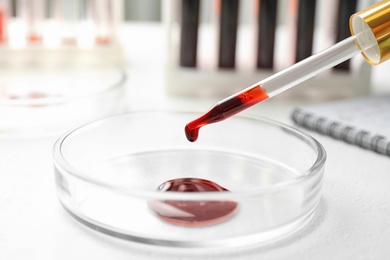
x=228, y=33
x=4, y=14
x=305, y=29
x=189, y=32
x=68, y=13
x=266, y=33
x=285, y=38
x=345, y=10
x=102, y=16
x=32, y=14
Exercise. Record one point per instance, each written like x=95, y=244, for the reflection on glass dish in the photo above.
x=36, y=101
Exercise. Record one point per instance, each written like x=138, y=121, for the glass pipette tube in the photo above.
x=371, y=37
x=283, y=81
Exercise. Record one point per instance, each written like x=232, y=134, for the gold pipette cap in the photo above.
x=377, y=19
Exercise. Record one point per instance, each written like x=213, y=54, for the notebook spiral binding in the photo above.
x=339, y=131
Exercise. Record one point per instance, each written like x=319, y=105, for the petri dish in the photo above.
x=45, y=100
x=107, y=172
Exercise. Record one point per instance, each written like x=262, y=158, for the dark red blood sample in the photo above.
x=226, y=109
x=193, y=213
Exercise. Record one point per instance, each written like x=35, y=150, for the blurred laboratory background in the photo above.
x=83, y=53
x=64, y=63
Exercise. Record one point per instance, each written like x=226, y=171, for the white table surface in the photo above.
x=352, y=221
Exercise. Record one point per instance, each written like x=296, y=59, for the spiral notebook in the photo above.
x=363, y=121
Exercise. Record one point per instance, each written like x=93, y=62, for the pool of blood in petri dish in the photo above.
x=193, y=213
x=226, y=109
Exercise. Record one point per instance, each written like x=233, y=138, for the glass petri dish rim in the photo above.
x=62, y=163
x=62, y=100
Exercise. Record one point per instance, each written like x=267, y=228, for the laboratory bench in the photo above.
x=351, y=222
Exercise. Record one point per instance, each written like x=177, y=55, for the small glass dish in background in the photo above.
x=42, y=100
x=107, y=173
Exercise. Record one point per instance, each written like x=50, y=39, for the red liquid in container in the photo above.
x=193, y=213
x=226, y=109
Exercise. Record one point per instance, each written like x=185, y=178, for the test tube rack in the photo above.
x=60, y=32
x=205, y=77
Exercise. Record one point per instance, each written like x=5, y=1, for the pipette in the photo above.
x=370, y=31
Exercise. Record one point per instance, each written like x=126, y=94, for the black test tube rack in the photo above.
x=231, y=44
